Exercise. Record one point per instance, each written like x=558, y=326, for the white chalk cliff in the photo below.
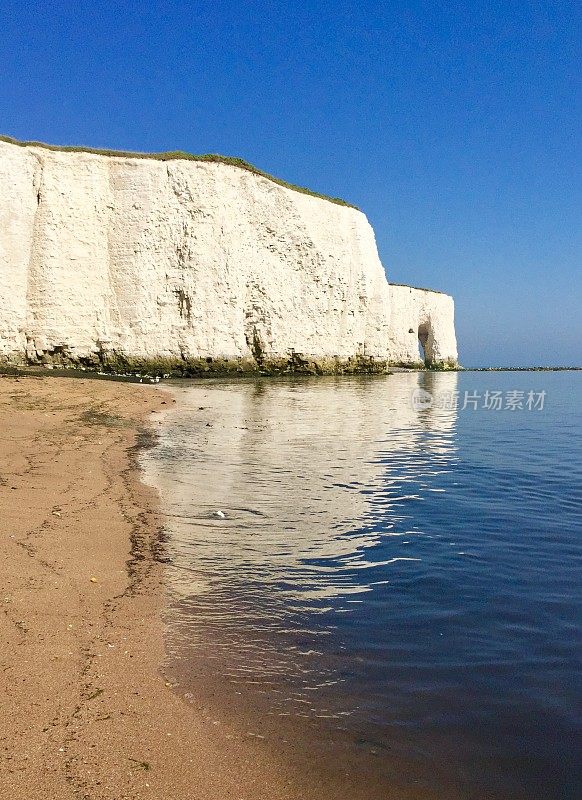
x=113, y=259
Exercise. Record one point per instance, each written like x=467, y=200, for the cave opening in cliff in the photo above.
x=425, y=343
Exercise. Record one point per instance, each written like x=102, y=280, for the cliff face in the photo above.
x=114, y=259
x=425, y=317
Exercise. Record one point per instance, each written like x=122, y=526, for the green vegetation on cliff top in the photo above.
x=179, y=155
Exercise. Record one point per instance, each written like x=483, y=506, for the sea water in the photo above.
x=389, y=564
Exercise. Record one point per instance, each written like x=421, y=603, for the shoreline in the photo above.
x=91, y=374
x=86, y=710
x=91, y=706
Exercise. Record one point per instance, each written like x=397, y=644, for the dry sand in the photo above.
x=85, y=709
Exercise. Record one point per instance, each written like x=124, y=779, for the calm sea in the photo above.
x=374, y=569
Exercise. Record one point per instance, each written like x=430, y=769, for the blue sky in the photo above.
x=454, y=126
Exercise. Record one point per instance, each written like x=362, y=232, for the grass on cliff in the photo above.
x=179, y=155
x=418, y=288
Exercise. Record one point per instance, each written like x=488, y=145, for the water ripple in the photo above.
x=348, y=557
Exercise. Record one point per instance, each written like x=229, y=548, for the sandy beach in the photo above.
x=86, y=711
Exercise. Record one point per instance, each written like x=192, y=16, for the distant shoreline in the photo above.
x=520, y=369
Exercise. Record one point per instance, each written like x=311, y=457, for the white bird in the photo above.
x=220, y=514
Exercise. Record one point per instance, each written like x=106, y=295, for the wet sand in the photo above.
x=85, y=710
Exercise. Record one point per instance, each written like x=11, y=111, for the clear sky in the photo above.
x=454, y=126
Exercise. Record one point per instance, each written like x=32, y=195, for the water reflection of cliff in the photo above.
x=313, y=479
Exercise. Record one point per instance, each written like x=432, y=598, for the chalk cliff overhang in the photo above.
x=189, y=265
